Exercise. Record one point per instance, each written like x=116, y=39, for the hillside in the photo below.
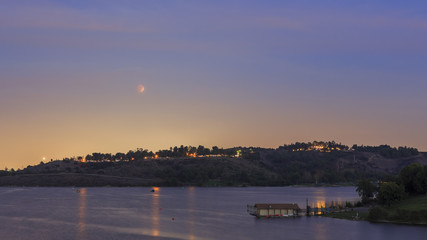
x=333, y=167
x=265, y=167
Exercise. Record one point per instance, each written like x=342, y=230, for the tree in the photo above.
x=390, y=193
x=413, y=178
x=200, y=150
x=365, y=189
x=215, y=150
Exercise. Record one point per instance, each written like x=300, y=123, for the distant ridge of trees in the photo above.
x=172, y=152
x=387, y=151
x=384, y=150
x=247, y=152
x=315, y=146
x=244, y=152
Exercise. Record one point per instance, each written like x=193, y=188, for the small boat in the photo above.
x=274, y=210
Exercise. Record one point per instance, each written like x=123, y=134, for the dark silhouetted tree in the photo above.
x=390, y=193
x=413, y=178
x=366, y=190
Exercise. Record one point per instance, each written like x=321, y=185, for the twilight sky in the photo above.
x=226, y=73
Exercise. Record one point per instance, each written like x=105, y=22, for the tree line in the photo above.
x=387, y=151
x=411, y=181
x=172, y=152
x=246, y=152
x=314, y=146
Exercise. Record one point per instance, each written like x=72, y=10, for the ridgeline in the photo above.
x=300, y=163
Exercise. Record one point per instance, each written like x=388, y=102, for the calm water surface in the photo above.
x=178, y=213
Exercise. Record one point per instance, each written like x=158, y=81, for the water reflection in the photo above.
x=319, y=199
x=320, y=231
x=319, y=203
x=155, y=206
x=81, y=226
x=191, y=206
x=337, y=204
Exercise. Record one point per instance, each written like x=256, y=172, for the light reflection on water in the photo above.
x=155, y=206
x=81, y=226
x=191, y=206
x=319, y=198
x=321, y=233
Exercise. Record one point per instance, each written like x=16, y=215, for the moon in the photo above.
x=141, y=88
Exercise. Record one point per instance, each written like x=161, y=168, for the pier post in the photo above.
x=307, y=208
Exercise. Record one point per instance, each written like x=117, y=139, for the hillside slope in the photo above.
x=266, y=168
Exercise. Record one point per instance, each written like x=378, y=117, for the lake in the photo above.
x=179, y=213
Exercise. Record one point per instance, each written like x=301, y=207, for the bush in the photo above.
x=377, y=213
x=390, y=193
x=414, y=179
x=410, y=216
x=415, y=216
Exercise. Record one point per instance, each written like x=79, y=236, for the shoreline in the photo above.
x=355, y=215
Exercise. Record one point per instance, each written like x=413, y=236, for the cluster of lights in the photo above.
x=321, y=148
x=191, y=155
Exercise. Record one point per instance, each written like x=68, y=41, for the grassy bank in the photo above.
x=415, y=203
x=412, y=210
x=349, y=215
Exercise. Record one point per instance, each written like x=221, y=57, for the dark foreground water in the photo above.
x=178, y=213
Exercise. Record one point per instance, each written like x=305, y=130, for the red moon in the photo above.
x=141, y=88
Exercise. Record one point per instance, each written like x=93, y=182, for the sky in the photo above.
x=214, y=73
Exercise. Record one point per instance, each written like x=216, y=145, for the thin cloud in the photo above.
x=66, y=19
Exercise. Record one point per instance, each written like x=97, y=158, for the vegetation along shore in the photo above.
x=401, y=199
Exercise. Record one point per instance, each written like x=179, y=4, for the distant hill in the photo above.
x=272, y=169
x=249, y=167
